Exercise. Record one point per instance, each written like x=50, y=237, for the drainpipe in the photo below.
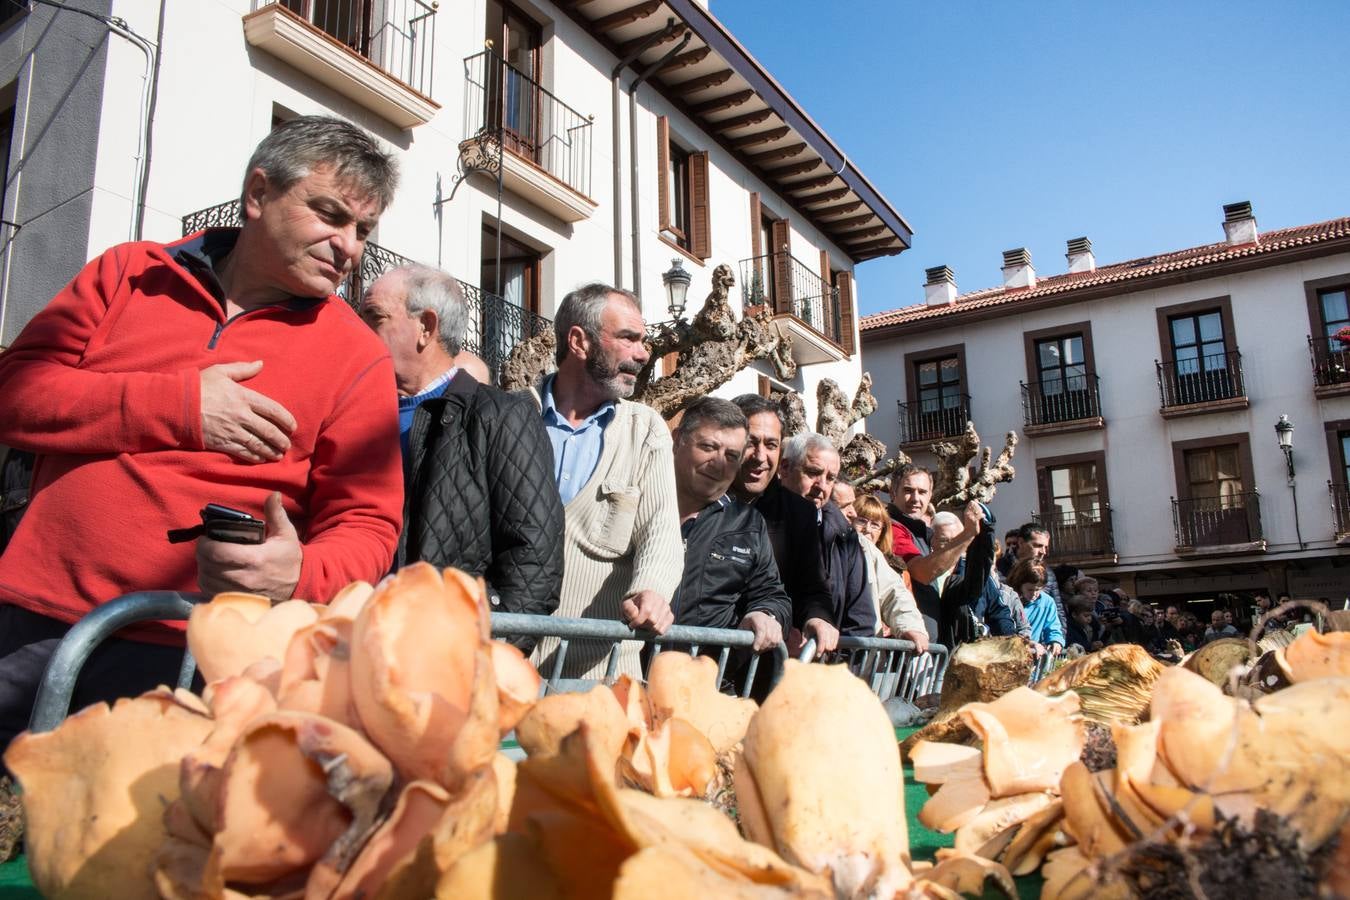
x=149, y=49
x=618, y=150
x=632, y=155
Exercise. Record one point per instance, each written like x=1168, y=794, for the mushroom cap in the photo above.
x=1028, y=739
x=94, y=792
x=847, y=822
x=685, y=687
x=234, y=630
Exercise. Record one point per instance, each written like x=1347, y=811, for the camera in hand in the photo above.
x=222, y=523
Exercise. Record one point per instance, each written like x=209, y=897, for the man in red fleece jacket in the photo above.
x=219, y=369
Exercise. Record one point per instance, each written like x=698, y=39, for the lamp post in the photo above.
x=1284, y=433
x=676, y=280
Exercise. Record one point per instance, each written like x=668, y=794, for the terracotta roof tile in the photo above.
x=1130, y=270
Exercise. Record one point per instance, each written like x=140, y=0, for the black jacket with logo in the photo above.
x=480, y=496
x=846, y=569
x=794, y=535
x=729, y=569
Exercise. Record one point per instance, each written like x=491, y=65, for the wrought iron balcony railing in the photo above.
x=507, y=106
x=1340, y=507
x=1217, y=521
x=495, y=325
x=1079, y=535
x=1061, y=400
x=1205, y=379
x=788, y=285
x=933, y=420
x=398, y=36
x=1330, y=361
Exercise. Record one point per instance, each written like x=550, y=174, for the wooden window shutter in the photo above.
x=765, y=388
x=1043, y=489
x=782, y=267
x=756, y=213
x=844, y=281
x=829, y=301
x=700, y=238
x=663, y=171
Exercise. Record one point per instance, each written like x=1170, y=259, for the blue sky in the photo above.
x=991, y=125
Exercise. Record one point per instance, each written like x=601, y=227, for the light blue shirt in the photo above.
x=576, y=451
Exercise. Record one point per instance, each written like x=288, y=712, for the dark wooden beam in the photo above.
x=852, y=239
x=830, y=197
x=814, y=184
x=800, y=168
x=839, y=225
x=744, y=121
x=888, y=244
x=685, y=60
x=702, y=83
x=626, y=16
x=760, y=137
x=730, y=101
x=652, y=39
x=781, y=153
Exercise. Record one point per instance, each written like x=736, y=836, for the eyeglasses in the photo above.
x=868, y=525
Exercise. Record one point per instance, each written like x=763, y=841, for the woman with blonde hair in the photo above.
x=873, y=522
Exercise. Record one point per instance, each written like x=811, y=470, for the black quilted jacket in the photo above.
x=481, y=496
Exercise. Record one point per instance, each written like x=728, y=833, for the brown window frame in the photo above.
x=1224, y=304
x=534, y=270
x=1031, y=338
x=1336, y=462
x=1312, y=291
x=912, y=360
x=1045, y=464
x=1179, y=448
x=695, y=240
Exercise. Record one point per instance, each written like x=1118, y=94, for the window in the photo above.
x=1201, y=365
x=937, y=403
x=1335, y=314
x=682, y=195
x=1216, y=503
x=1074, y=506
x=1328, y=313
x=504, y=310
x=1338, y=455
x=1061, y=379
x=519, y=285
x=514, y=77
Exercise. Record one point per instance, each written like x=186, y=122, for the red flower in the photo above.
x=1343, y=336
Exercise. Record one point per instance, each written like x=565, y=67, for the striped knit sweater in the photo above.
x=623, y=536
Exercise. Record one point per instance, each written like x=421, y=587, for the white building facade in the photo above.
x=530, y=164
x=1145, y=394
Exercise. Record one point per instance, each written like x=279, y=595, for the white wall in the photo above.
x=1271, y=323
x=205, y=131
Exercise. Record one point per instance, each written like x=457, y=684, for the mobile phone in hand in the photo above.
x=221, y=523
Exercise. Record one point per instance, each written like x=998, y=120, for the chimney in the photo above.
x=1239, y=223
x=1080, y=255
x=940, y=288
x=1017, y=269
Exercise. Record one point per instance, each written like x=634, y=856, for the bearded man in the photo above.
x=623, y=555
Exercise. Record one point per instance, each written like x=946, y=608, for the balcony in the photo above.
x=1062, y=406
x=1215, y=526
x=1330, y=365
x=495, y=325
x=1080, y=538
x=802, y=302
x=379, y=53
x=541, y=145
x=1340, y=511
x=1203, y=385
x=924, y=422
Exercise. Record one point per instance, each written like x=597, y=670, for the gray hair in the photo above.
x=584, y=307
x=295, y=148
x=427, y=288
x=714, y=410
x=946, y=518
x=796, y=447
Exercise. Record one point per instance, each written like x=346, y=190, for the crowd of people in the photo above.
x=221, y=369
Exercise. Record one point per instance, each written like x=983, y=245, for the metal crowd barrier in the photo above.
x=691, y=639
x=1042, y=666
x=891, y=666
x=58, y=682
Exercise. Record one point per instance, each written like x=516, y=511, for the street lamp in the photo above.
x=676, y=280
x=1284, y=432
